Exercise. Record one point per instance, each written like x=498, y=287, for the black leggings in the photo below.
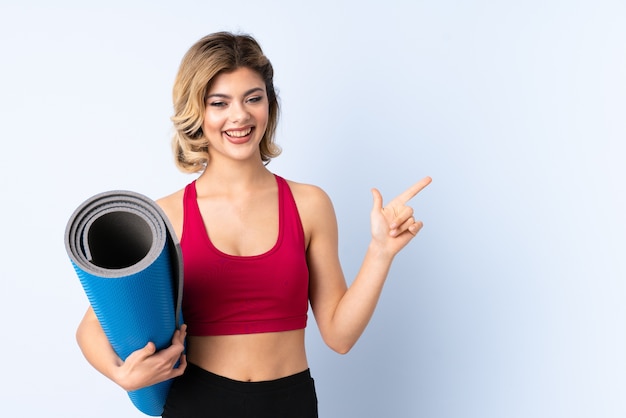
x=202, y=394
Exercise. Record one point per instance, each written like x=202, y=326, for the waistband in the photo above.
x=205, y=377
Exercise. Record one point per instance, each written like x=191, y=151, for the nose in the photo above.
x=239, y=113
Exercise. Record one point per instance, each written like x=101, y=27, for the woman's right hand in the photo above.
x=146, y=366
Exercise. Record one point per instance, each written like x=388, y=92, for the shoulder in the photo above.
x=309, y=196
x=314, y=206
x=173, y=202
x=172, y=205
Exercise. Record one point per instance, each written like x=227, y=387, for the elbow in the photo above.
x=342, y=350
x=339, y=342
x=340, y=347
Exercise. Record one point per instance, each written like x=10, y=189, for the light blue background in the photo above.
x=511, y=301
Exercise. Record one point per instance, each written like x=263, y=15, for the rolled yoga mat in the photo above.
x=129, y=263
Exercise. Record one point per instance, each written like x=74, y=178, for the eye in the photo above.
x=255, y=99
x=217, y=104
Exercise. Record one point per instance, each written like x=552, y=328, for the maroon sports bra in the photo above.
x=226, y=294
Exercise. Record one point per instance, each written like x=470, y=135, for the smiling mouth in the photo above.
x=239, y=134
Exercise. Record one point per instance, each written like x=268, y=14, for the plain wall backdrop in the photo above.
x=510, y=302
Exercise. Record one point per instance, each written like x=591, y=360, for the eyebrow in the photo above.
x=226, y=96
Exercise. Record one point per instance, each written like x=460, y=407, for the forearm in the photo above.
x=143, y=367
x=96, y=347
x=356, y=307
x=342, y=312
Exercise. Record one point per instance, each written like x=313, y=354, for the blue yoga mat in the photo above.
x=129, y=263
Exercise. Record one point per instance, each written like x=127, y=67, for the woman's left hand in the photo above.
x=393, y=225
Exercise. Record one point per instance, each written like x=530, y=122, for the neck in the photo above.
x=231, y=176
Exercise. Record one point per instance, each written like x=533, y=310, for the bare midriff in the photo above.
x=250, y=357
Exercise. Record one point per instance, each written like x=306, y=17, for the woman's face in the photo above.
x=237, y=110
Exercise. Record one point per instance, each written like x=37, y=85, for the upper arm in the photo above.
x=89, y=316
x=327, y=284
x=88, y=325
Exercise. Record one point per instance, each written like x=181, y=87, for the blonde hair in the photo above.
x=214, y=54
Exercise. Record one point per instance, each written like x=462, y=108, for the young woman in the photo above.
x=257, y=250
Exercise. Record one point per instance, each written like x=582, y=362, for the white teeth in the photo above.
x=239, y=134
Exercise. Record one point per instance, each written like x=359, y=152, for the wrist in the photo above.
x=118, y=374
x=379, y=252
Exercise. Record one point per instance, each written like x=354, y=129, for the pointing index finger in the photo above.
x=410, y=193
